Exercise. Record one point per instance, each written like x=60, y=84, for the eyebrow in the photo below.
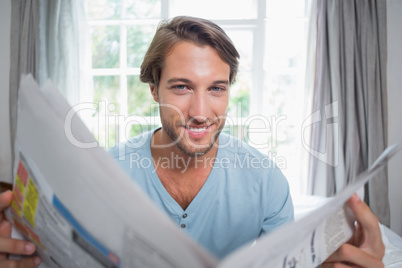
x=174, y=80
x=184, y=80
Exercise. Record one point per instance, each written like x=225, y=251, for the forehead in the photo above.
x=189, y=59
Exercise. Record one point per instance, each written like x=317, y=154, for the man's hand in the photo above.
x=366, y=248
x=9, y=245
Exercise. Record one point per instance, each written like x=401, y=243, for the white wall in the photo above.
x=5, y=20
x=394, y=19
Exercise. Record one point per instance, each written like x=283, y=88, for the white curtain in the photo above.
x=24, y=20
x=349, y=110
x=47, y=40
x=5, y=148
x=61, y=37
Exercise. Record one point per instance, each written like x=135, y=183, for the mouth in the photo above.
x=198, y=128
x=197, y=131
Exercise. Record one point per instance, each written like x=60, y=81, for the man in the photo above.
x=201, y=186
x=220, y=191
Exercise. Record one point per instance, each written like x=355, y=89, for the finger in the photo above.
x=351, y=254
x=358, y=235
x=15, y=246
x=5, y=201
x=364, y=216
x=23, y=263
x=334, y=265
x=5, y=231
x=370, y=233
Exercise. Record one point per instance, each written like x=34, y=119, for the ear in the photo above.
x=154, y=92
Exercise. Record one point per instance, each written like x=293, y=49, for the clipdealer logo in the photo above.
x=261, y=131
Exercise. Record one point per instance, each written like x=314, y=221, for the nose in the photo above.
x=199, y=106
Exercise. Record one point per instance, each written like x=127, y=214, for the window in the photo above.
x=266, y=100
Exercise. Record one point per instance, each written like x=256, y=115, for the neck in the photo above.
x=181, y=175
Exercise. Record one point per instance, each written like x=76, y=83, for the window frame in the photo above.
x=258, y=28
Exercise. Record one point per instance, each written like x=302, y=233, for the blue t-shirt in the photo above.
x=245, y=195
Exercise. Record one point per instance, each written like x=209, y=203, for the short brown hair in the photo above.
x=199, y=31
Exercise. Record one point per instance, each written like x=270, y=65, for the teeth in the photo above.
x=197, y=129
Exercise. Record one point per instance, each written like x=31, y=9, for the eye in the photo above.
x=217, y=89
x=180, y=87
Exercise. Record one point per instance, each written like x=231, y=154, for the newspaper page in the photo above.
x=77, y=205
x=311, y=240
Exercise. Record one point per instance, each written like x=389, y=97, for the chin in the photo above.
x=193, y=151
x=200, y=149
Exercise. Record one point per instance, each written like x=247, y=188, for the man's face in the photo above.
x=193, y=97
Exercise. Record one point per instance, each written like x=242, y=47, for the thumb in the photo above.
x=369, y=225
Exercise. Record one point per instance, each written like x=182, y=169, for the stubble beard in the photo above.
x=180, y=140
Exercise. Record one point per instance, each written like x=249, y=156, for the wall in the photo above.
x=5, y=20
x=394, y=20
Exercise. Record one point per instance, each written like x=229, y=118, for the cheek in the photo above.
x=174, y=108
x=174, y=103
x=220, y=105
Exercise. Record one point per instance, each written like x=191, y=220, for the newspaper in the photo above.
x=311, y=240
x=77, y=205
x=82, y=210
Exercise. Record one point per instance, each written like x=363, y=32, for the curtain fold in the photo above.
x=47, y=38
x=350, y=99
x=24, y=20
x=61, y=37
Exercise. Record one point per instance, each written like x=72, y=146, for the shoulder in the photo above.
x=259, y=177
x=134, y=156
x=248, y=162
x=241, y=153
x=249, y=167
x=137, y=145
x=233, y=145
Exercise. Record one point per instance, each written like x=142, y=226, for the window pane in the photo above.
x=239, y=101
x=138, y=39
x=138, y=129
x=142, y=9
x=284, y=67
x=107, y=100
x=104, y=9
x=107, y=89
x=285, y=93
x=286, y=8
x=239, y=131
x=243, y=40
x=105, y=46
x=140, y=101
x=212, y=9
x=285, y=50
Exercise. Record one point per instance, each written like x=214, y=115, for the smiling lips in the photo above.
x=197, y=132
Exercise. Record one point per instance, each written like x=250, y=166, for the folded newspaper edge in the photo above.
x=311, y=240
x=81, y=209
x=77, y=204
